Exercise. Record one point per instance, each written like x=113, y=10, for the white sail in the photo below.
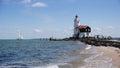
x=20, y=36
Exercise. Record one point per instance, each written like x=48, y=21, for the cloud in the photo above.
x=38, y=30
x=97, y=29
x=26, y=1
x=62, y=32
x=106, y=31
x=110, y=27
x=31, y=3
x=39, y=4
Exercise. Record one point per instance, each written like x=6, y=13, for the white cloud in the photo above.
x=26, y=1
x=97, y=29
x=31, y=3
x=106, y=31
x=110, y=27
x=38, y=30
x=39, y=4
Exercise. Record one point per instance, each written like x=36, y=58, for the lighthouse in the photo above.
x=76, y=24
x=80, y=30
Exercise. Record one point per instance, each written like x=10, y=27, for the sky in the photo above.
x=46, y=18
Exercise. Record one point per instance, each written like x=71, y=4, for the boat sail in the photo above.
x=20, y=36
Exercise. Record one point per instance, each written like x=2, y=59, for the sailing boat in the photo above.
x=20, y=37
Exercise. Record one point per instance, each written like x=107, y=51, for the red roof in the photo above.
x=81, y=26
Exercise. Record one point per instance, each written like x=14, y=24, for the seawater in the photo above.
x=37, y=53
x=47, y=54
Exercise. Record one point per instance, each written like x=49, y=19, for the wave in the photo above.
x=97, y=60
x=88, y=47
x=61, y=65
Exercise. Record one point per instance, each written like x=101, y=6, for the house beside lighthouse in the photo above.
x=80, y=30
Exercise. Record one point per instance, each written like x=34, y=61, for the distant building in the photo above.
x=80, y=30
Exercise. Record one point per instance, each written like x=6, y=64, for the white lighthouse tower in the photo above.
x=76, y=24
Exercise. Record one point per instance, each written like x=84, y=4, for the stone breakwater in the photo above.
x=93, y=41
x=101, y=42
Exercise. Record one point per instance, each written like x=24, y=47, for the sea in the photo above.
x=36, y=53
